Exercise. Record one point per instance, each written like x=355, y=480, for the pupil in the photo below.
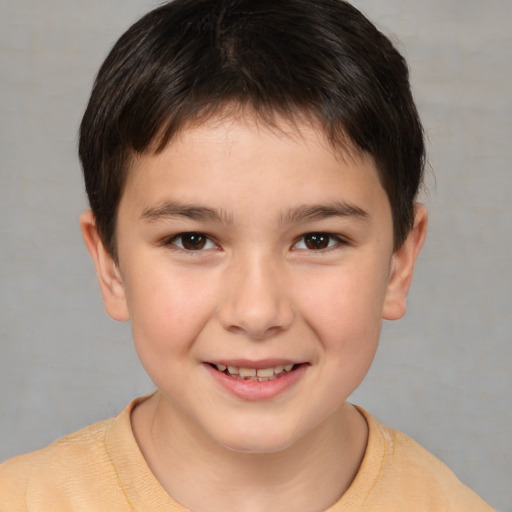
x=317, y=241
x=193, y=241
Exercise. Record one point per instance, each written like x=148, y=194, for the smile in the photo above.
x=253, y=374
x=256, y=380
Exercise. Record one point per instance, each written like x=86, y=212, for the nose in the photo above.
x=256, y=299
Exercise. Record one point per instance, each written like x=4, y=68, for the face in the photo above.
x=255, y=266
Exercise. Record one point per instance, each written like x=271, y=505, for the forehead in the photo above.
x=229, y=161
x=229, y=117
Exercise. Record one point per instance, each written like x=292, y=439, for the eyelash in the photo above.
x=206, y=243
x=333, y=241
x=181, y=236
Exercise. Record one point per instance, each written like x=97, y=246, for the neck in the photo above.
x=202, y=475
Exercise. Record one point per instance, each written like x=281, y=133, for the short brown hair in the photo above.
x=190, y=58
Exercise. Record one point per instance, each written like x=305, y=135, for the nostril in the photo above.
x=256, y=308
x=261, y=334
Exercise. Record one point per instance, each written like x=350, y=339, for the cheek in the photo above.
x=167, y=312
x=344, y=310
x=347, y=302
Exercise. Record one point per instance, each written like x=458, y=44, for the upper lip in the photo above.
x=257, y=365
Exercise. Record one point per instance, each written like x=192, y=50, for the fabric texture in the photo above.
x=101, y=468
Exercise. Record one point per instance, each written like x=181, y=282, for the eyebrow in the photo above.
x=170, y=209
x=325, y=211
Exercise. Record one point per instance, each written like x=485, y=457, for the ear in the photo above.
x=402, y=267
x=109, y=277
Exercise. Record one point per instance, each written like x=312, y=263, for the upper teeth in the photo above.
x=253, y=373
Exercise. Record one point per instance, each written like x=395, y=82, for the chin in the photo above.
x=259, y=440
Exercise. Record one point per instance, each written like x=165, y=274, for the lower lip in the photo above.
x=253, y=390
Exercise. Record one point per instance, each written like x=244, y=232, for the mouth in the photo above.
x=255, y=374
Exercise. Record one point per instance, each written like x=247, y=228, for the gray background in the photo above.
x=443, y=374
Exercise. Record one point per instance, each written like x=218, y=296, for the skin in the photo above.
x=256, y=291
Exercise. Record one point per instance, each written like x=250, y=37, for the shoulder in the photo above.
x=397, y=473
x=95, y=469
x=420, y=472
x=74, y=468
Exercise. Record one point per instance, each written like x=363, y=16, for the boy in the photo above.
x=252, y=168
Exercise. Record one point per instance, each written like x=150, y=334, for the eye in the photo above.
x=191, y=242
x=318, y=241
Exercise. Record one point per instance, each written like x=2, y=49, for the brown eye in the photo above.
x=192, y=241
x=316, y=241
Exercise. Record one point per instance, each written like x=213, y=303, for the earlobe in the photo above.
x=109, y=277
x=402, y=267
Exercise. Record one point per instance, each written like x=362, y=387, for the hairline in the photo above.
x=271, y=117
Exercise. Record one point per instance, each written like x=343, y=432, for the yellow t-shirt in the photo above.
x=100, y=468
